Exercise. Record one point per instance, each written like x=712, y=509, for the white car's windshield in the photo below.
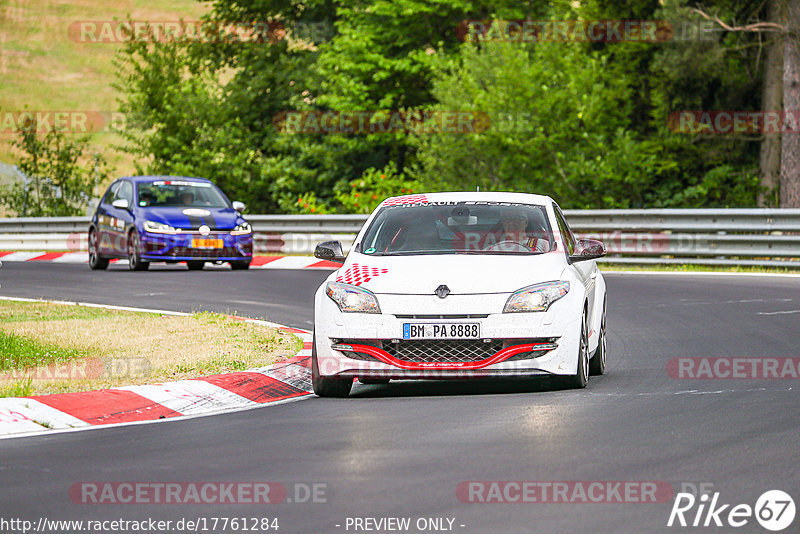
x=458, y=228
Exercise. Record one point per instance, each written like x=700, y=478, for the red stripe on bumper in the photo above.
x=498, y=357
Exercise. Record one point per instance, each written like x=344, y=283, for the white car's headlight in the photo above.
x=352, y=298
x=242, y=229
x=159, y=228
x=537, y=297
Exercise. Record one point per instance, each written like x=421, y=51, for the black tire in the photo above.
x=195, y=265
x=324, y=386
x=240, y=265
x=96, y=261
x=597, y=365
x=135, y=262
x=373, y=381
x=579, y=380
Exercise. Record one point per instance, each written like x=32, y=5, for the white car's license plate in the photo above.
x=441, y=330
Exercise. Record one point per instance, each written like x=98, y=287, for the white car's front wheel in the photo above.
x=581, y=377
x=326, y=386
x=597, y=365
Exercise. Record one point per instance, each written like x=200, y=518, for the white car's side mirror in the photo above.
x=588, y=249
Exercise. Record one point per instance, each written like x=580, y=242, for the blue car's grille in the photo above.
x=225, y=252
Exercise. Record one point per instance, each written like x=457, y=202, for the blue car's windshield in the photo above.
x=178, y=193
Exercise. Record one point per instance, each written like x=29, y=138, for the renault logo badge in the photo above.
x=442, y=291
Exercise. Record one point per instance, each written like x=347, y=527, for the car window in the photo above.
x=125, y=192
x=111, y=193
x=563, y=228
x=459, y=227
x=180, y=193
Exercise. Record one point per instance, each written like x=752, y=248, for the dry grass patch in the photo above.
x=82, y=348
x=43, y=68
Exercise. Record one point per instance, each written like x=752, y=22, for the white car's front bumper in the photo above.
x=374, y=338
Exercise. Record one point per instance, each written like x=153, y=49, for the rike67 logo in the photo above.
x=774, y=510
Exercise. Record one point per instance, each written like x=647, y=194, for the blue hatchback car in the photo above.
x=168, y=219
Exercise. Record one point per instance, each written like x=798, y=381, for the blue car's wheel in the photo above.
x=240, y=265
x=135, y=262
x=96, y=261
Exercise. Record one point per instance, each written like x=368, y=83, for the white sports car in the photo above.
x=460, y=285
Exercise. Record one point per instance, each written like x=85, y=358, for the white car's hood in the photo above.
x=461, y=273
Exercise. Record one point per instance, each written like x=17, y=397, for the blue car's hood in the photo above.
x=192, y=218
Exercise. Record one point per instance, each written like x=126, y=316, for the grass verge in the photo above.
x=56, y=348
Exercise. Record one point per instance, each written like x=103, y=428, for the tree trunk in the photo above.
x=790, y=143
x=772, y=101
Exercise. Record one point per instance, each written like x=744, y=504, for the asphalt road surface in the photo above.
x=401, y=450
x=282, y=296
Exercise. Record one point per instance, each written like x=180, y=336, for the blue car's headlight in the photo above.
x=159, y=228
x=537, y=297
x=352, y=298
x=242, y=229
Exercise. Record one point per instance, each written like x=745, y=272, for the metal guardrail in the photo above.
x=767, y=237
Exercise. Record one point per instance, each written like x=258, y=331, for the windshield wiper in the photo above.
x=412, y=252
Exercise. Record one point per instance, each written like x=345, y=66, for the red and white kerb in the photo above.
x=357, y=274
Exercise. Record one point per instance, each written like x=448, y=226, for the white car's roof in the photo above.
x=462, y=196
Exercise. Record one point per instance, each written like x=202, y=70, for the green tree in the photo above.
x=58, y=183
x=557, y=126
x=586, y=122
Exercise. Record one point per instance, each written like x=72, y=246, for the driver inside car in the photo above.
x=515, y=234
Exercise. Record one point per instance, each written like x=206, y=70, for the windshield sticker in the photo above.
x=370, y=250
x=179, y=182
x=407, y=199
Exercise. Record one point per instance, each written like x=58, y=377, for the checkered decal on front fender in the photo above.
x=357, y=274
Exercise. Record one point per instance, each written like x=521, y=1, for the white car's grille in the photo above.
x=443, y=351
